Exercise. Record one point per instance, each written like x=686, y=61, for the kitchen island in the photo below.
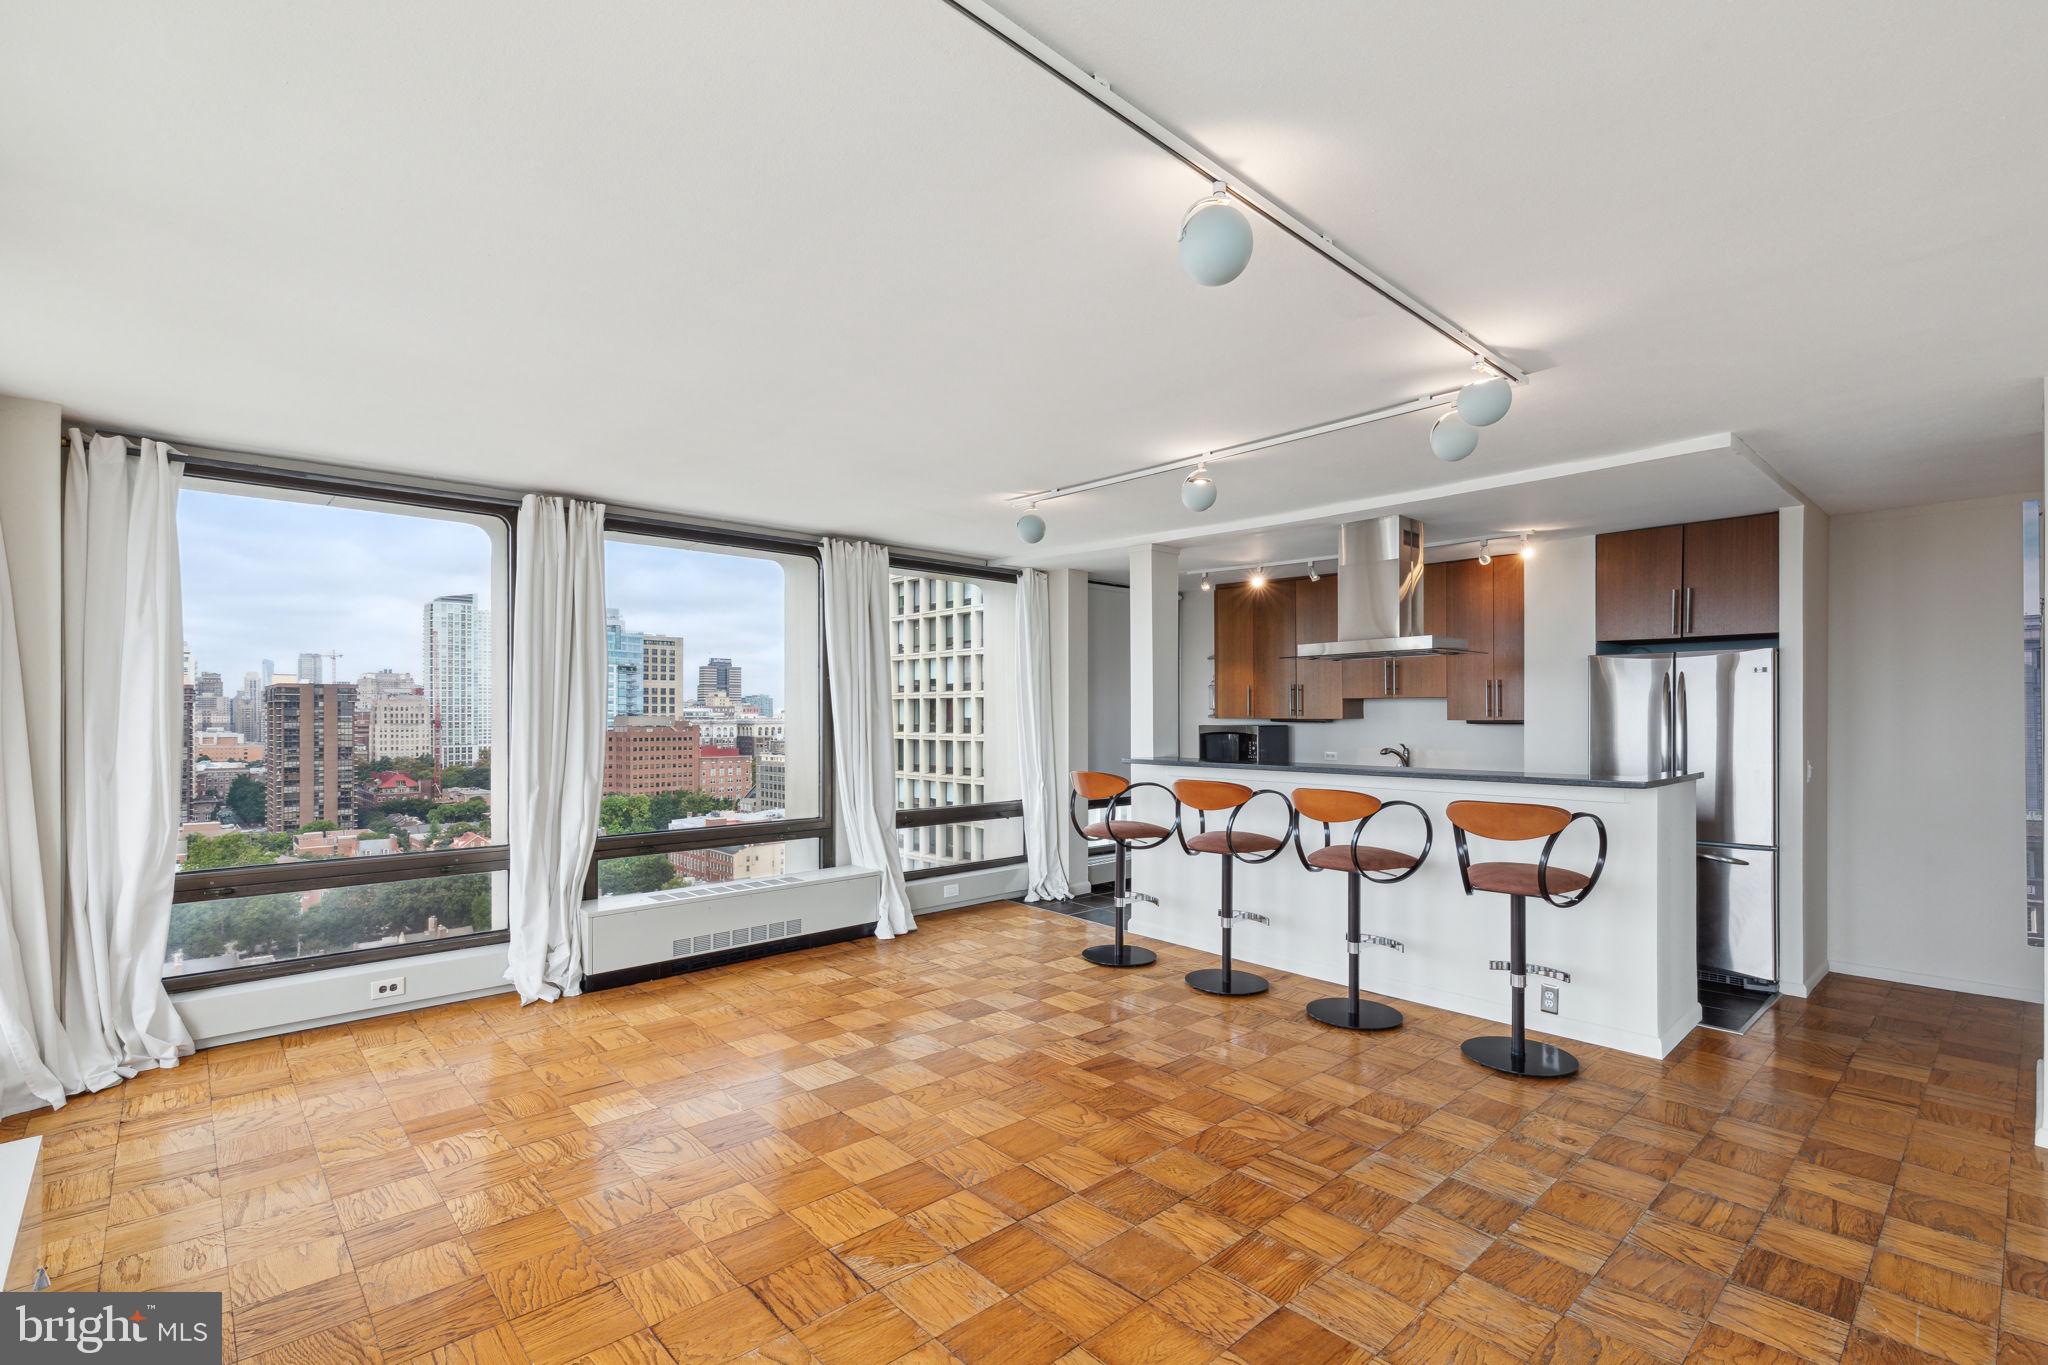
x=1631, y=948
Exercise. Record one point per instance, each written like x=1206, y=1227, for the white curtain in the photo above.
x=29, y=1027
x=123, y=736
x=555, y=750
x=863, y=730
x=1045, y=824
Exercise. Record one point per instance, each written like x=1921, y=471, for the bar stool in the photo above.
x=1515, y=822
x=1360, y=863
x=1111, y=788
x=1235, y=847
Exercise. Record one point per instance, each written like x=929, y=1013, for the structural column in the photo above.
x=1155, y=651
x=32, y=527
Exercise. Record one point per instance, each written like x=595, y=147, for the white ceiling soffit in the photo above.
x=862, y=269
x=1707, y=477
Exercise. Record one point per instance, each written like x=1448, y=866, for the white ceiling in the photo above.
x=863, y=269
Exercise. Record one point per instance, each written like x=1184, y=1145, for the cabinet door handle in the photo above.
x=1688, y=611
x=1247, y=699
x=1394, y=677
x=1674, y=611
x=1489, y=699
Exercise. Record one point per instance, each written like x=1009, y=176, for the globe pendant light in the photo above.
x=1198, y=490
x=1031, y=527
x=1486, y=552
x=1485, y=400
x=1451, y=440
x=1205, y=583
x=1215, y=239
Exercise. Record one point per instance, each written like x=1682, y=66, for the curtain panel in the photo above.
x=863, y=729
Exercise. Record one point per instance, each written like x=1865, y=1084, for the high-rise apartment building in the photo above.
x=185, y=761
x=309, y=760
x=661, y=666
x=761, y=702
x=648, y=754
x=724, y=772
x=455, y=666
x=375, y=686
x=400, y=726
x=940, y=691
x=309, y=667
x=718, y=677
x=771, y=781
x=624, y=659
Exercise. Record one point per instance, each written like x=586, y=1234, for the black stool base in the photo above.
x=1119, y=955
x=1337, y=1012
x=1212, y=981
x=1539, y=1060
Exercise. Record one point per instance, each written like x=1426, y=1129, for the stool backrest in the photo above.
x=1507, y=821
x=1331, y=807
x=1100, y=786
x=1206, y=796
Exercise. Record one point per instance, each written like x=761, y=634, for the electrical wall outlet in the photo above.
x=1550, y=1000
x=950, y=892
x=387, y=988
x=1329, y=755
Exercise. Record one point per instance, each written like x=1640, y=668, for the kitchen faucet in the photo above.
x=1400, y=754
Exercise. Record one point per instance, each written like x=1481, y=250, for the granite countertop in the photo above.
x=1441, y=774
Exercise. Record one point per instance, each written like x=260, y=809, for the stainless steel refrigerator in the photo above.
x=1716, y=715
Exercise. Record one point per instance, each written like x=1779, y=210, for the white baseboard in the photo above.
x=1997, y=990
x=1812, y=982
x=310, y=1000
x=928, y=894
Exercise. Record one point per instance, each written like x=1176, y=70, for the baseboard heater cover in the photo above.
x=639, y=938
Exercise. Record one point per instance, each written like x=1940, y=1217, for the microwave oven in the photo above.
x=1262, y=745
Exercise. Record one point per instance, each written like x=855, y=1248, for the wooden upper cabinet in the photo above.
x=1469, y=617
x=1428, y=677
x=1507, y=636
x=1273, y=626
x=1731, y=576
x=1638, y=578
x=1699, y=580
x=1234, y=648
x=1319, y=683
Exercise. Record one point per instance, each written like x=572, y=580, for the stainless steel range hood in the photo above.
x=1379, y=595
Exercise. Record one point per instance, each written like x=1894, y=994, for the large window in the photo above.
x=342, y=700
x=2032, y=721
x=954, y=693
x=714, y=711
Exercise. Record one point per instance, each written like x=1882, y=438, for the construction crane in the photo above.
x=333, y=657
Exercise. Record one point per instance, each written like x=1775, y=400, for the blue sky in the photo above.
x=266, y=578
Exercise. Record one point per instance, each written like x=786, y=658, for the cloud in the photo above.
x=267, y=578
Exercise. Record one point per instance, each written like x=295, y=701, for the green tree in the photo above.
x=245, y=798
x=631, y=876
x=621, y=814
x=236, y=848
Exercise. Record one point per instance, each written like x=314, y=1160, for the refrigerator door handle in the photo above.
x=1666, y=755
x=1684, y=732
x=1723, y=858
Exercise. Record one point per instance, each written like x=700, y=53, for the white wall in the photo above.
x=1109, y=678
x=1437, y=742
x=1925, y=872
x=31, y=525
x=1803, y=539
x=1557, y=639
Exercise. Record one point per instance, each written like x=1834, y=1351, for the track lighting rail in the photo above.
x=1057, y=63
x=1402, y=409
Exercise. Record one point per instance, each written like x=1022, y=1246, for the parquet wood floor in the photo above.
x=970, y=1145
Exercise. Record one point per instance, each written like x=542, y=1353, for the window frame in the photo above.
x=229, y=883
x=925, y=817
x=821, y=826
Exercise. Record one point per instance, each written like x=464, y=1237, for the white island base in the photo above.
x=1631, y=948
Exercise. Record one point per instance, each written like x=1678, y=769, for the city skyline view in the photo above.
x=306, y=577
